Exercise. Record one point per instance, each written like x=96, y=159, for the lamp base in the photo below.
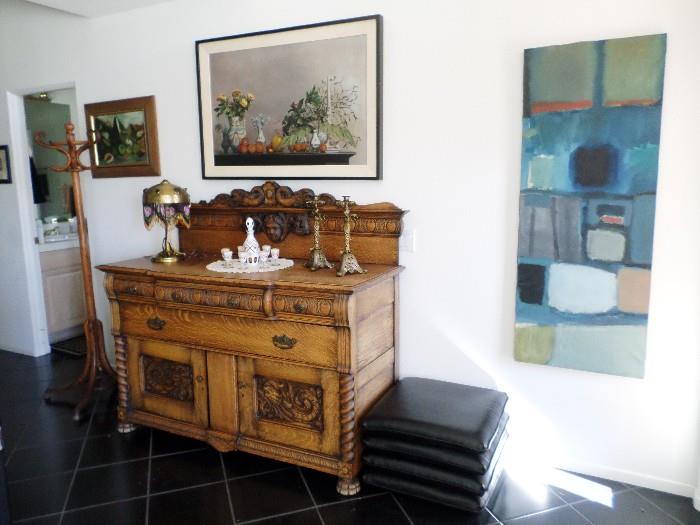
x=168, y=254
x=167, y=257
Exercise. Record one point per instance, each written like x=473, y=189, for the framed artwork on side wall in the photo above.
x=302, y=102
x=5, y=172
x=590, y=151
x=124, y=136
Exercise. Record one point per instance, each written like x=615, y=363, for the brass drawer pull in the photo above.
x=283, y=341
x=131, y=290
x=155, y=323
x=299, y=308
x=200, y=379
x=176, y=296
x=233, y=302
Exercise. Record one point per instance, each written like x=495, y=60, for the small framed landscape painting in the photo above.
x=5, y=174
x=302, y=102
x=124, y=138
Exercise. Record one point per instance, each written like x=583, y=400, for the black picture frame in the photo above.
x=336, y=145
x=5, y=167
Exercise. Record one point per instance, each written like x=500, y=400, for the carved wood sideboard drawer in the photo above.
x=318, y=308
x=289, y=341
x=133, y=287
x=240, y=299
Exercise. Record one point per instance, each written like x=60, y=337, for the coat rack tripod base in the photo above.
x=80, y=392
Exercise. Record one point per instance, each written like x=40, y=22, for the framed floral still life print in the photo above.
x=124, y=138
x=296, y=103
x=5, y=173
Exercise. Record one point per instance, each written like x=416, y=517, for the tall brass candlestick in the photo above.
x=317, y=259
x=348, y=261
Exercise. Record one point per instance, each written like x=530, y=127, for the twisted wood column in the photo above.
x=347, y=485
x=120, y=348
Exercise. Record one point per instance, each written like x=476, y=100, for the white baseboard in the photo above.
x=66, y=333
x=636, y=478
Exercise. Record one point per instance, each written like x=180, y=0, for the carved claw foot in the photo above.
x=125, y=428
x=348, y=487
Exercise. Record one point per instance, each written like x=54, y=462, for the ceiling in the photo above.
x=95, y=8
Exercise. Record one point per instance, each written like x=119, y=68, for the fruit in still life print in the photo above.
x=120, y=139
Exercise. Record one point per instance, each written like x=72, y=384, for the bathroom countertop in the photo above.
x=68, y=241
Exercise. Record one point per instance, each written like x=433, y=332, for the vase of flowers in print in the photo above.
x=233, y=108
x=236, y=130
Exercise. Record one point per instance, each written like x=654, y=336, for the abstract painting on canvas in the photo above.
x=590, y=150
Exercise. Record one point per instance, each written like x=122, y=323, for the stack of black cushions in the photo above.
x=436, y=440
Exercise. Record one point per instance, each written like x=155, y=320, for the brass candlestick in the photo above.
x=317, y=259
x=348, y=261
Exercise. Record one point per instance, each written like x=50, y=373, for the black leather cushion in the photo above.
x=477, y=463
x=439, y=412
x=472, y=483
x=433, y=492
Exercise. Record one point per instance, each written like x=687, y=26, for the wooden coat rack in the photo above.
x=96, y=358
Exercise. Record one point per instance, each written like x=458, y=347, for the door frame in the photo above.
x=25, y=203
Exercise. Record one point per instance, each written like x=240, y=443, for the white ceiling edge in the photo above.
x=95, y=8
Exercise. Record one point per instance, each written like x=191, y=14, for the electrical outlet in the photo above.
x=407, y=241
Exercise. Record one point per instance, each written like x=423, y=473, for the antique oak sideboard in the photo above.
x=281, y=364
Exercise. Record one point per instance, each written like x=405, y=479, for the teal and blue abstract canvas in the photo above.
x=591, y=126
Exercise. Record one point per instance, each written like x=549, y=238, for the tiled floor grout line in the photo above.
x=656, y=506
x=313, y=500
x=103, y=504
x=77, y=464
x=148, y=479
x=167, y=454
x=70, y=440
x=581, y=514
x=398, y=503
x=180, y=489
x=321, y=505
x=34, y=478
x=330, y=504
x=261, y=473
x=228, y=489
x=19, y=440
x=280, y=515
x=493, y=516
x=26, y=520
x=102, y=465
x=531, y=514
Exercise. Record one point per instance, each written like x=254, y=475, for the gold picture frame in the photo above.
x=124, y=137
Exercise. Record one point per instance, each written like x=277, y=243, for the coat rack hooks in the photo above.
x=96, y=358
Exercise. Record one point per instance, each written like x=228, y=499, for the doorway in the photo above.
x=23, y=323
x=56, y=235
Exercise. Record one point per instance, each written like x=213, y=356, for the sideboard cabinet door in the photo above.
x=168, y=380
x=292, y=405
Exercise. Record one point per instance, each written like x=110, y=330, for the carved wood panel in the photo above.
x=236, y=300
x=289, y=402
x=168, y=378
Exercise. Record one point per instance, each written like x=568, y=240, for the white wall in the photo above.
x=454, y=164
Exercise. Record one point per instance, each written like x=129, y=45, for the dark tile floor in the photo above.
x=66, y=474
